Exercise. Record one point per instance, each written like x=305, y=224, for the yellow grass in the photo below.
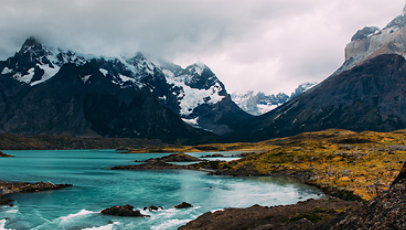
x=365, y=163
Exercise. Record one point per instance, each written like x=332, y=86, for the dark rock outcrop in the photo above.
x=55, y=92
x=178, y=157
x=183, y=205
x=213, y=155
x=124, y=210
x=4, y=155
x=303, y=215
x=370, y=96
x=23, y=187
x=152, y=166
x=386, y=211
x=66, y=105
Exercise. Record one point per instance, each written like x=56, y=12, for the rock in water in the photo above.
x=4, y=155
x=183, y=205
x=178, y=157
x=124, y=210
x=153, y=208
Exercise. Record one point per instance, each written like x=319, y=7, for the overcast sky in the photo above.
x=261, y=45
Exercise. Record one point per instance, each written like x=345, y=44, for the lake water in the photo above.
x=96, y=188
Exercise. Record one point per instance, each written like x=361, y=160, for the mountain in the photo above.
x=366, y=93
x=370, y=42
x=260, y=103
x=52, y=91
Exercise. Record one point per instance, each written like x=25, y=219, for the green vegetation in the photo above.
x=346, y=164
x=338, y=161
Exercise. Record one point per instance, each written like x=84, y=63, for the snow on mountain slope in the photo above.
x=190, y=96
x=192, y=92
x=260, y=103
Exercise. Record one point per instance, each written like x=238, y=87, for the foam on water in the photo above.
x=96, y=188
x=70, y=217
x=170, y=224
x=13, y=210
x=3, y=224
x=105, y=227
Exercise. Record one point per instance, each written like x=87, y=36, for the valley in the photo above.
x=123, y=131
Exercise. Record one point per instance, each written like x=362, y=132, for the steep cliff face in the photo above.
x=371, y=96
x=67, y=105
x=366, y=93
x=370, y=42
x=194, y=93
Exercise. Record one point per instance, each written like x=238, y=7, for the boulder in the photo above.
x=124, y=210
x=4, y=155
x=153, y=208
x=183, y=205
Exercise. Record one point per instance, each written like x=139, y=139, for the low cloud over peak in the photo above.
x=267, y=45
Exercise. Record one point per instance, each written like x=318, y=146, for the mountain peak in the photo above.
x=370, y=42
x=399, y=21
x=31, y=44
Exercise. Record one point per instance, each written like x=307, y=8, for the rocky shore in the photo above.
x=156, y=165
x=4, y=155
x=386, y=211
x=7, y=188
x=341, y=210
x=178, y=157
x=311, y=214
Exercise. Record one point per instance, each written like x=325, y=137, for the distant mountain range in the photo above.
x=260, y=103
x=52, y=91
x=366, y=93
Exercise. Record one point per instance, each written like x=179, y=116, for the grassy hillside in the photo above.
x=363, y=163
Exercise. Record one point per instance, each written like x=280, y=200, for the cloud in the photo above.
x=267, y=45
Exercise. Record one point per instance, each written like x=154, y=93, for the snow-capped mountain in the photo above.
x=366, y=93
x=260, y=103
x=195, y=94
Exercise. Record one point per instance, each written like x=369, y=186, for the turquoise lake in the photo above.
x=95, y=187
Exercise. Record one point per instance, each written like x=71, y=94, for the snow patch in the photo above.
x=198, y=68
x=86, y=78
x=193, y=122
x=103, y=71
x=6, y=70
x=266, y=108
x=168, y=73
x=125, y=78
x=49, y=72
x=25, y=78
x=190, y=98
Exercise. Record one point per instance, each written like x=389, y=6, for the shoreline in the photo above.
x=386, y=211
x=7, y=188
x=313, y=212
x=300, y=178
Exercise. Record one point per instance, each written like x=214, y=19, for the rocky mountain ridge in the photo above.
x=260, y=103
x=195, y=94
x=371, y=41
x=366, y=93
